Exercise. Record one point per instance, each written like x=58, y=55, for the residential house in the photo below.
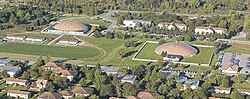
x=50, y=95
x=129, y=78
x=17, y=81
x=219, y=30
x=219, y=89
x=116, y=98
x=109, y=70
x=134, y=23
x=58, y=69
x=173, y=26
x=209, y=30
x=230, y=69
x=147, y=95
x=194, y=84
x=11, y=70
x=82, y=91
x=67, y=94
x=244, y=91
x=16, y=94
x=41, y=84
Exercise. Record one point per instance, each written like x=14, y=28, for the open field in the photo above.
x=148, y=52
x=54, y=51
x=199, y=69
x=239, y=48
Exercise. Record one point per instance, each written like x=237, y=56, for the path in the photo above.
x=55, y=39
x=233, y=41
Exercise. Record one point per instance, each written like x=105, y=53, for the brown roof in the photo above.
x=68, y=72
x=50, y=95
x=41, y=81
x=147, y=95
x=71, y=26
x=66, y=93
x=176, y=48
x=19, y=92
x=15, y=80
x=221, y=88
x=225, y=67
x=244, y=90
x=82, y=90
x=115, y=98
x=132, y=97
x=53, y=65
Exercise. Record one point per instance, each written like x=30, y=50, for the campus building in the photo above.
x=133, y=23
x=208, y=30
x=68, y=28
x=173, y=26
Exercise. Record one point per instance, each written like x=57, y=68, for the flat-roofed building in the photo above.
x=10, y=81
x=129, y=79
x=16, y=94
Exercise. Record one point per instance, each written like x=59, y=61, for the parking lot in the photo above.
x=236, y=59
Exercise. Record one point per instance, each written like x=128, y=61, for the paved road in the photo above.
x=107, y=17
x=233, y=41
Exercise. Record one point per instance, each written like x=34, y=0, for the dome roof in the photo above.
x=71, y=26
x=177, y=48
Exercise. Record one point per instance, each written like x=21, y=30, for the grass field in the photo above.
x=148, y=52
x=239, y=48
x=202, y=57
x=199, y=69
x=54, y=51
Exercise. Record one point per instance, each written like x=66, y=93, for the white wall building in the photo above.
x=17, y=94
x=173, y=26
x=34, y=39
x=209, y=30
x=10, y=81
x=129, y=78
x=244, y=91
x=133, y=23
x=218, y=89
x=40, y=83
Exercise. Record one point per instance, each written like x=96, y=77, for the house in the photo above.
x=230, y=69
x=17, y=81
x=40, y=83
x=16, y=94
x=203, y=30
x=244, y=91
x=219, y=89
x=173, y=26
x=4, y=62
x=209, y=30
x=147, y=95
x=134, y=23
x=62, y=71
x=116, y=98
x=70, y=74
x=67, y=94
x=132, y=97
x=50, y=95
x=11, y=70
x=15, y=38
x=173, y=58
x=109, y=70
x=129, y=78
x=194, y=84
x=82, y=91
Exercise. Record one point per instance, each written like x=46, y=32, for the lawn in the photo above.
x=199, y=69
x=54, y=51
x=202, y=57
x=239, y=48
x=148, y=52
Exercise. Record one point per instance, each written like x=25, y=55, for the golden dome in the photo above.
x=177, y=48
x=71, y=26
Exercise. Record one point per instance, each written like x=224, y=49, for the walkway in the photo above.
x=233, y=41
x=55, y=39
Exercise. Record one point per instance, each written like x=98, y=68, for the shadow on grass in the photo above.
x=64, y=60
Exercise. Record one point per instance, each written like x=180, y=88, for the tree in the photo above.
x=107, y=90
x=246, y=25
x=239, y=78
x=188, y=38
x=25, y=75
x=47, y=59
x=129, y=89
x=94, y=97
x=179, y=38
x=236, y=95
x=162, y=41
x=120, y=52
x=50, y=87
x=39, y=61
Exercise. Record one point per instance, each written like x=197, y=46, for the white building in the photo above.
x=15, y=38
x=173, y=26
x=173, y=58
x=11, y=70
x=129, y=78
x=209, y=30
x=133, y=23
x=70, y=74
x=40, y=83
x=219, y=30
x=35, y=39
x=10, y=81
x=244, y=91
x=194, y=84
x=17, y=94
x=109, y=70
x=229, y=69
x=218, y=89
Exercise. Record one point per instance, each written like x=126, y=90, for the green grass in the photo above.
x=202, y=57
x=239, y=48
x=148, y=52
x=54, y=51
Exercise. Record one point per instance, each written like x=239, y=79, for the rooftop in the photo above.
x=15, y=80
x=129, y=77
x=9, y=68
x=18, y=92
